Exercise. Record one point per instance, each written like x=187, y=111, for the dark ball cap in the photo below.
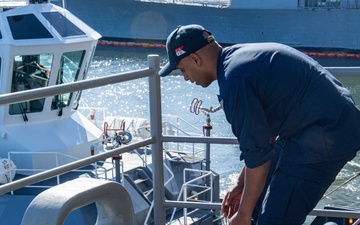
x=183, y=41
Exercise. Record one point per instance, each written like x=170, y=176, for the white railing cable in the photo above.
x=344, y=71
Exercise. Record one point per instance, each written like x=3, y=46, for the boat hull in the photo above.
x=148, y=21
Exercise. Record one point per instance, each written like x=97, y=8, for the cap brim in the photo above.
x=167, y=69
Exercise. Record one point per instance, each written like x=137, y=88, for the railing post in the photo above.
x=185, y=200
x=156, y=148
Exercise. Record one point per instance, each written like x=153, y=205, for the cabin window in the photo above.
x=62, y=25
x=27, y=27
x=0, y=35
x=30, y=72
x=69, y=70
x=87, y=66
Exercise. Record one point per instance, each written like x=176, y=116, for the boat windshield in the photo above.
x=62, y=25
x=70, y=65
x=87, y=66
x=27, y=26
x=30, y=72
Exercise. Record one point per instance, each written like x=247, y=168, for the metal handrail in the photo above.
x=5, y=188
x=178, y=119
x=20, y=96
x=155, y=141
x=56, y=155
x=207, y=174
x=217, y=206
x=183, y=189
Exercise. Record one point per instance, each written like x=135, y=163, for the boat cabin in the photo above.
x=42, y=45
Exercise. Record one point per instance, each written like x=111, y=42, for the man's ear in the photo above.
x=195, y=58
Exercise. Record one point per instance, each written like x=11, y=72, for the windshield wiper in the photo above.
x=23, y=112
x=61, y=105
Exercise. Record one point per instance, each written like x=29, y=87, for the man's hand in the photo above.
x=231, y=201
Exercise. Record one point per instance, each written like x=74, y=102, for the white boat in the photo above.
x=42, y=47
x=62, y=166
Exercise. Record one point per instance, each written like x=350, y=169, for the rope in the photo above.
x=341, y=185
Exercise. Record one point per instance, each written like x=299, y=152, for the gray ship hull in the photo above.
x=147, y=21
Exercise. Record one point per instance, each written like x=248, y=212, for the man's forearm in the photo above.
x=254, y=183
x=241, y=179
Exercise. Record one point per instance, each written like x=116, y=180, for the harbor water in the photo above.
x=130, y=99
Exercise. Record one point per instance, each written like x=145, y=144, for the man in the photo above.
x=297, y=126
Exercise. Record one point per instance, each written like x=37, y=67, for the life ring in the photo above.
x=7, y=170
